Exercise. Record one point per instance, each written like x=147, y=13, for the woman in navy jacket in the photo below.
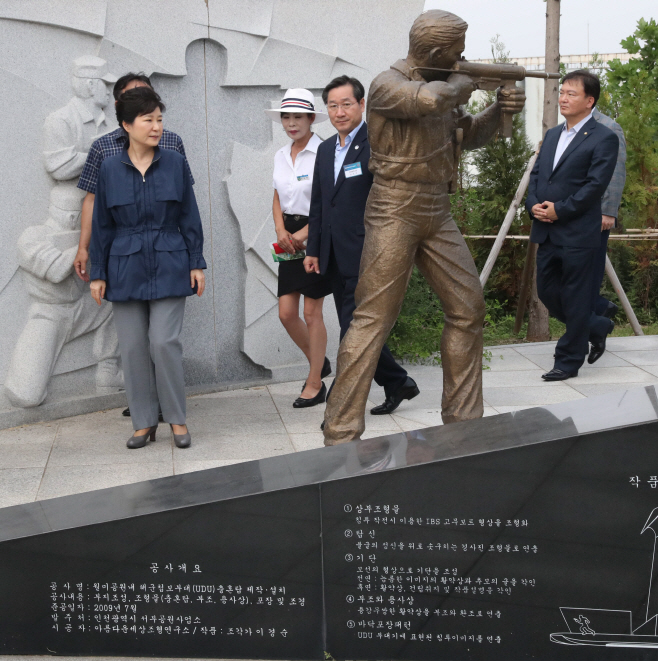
x=146, y=258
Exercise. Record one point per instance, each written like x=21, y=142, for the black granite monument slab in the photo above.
x=520, y=536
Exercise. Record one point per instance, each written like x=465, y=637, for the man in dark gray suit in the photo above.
x=610, y=209
x=572, y=172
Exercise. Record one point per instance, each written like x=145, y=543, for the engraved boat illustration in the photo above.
x=599, y=627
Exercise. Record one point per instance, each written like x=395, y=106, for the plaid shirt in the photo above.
x=612, y=197
x=113, y=143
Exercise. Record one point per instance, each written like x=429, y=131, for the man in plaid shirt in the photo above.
x=109, y=145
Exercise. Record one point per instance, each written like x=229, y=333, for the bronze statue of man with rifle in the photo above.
x=417, y=127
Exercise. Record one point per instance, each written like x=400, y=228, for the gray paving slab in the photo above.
x=608, y=359
x=516, y=378
x=650, y=369
x=248, y=402
x=100, y=439
x=28, y=446
x=19, y=485
x=596, y=389
x=639, y=358
x=530, y=395
x=620, y=375
x=308, y=441
x=511, y=409
x=431, y=417
x=504, y=360
x=427, y=377
x=242, y=424
x=633, y=343
x=411, y=425
x=532, y=348
x=209, y=445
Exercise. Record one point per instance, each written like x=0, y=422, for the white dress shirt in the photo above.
x=566, y=137
x=293, y=182
x=341, y=152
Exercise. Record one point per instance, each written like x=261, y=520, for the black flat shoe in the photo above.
x=408, y=391
x=326, y=371
x=558, y=375
x=126, y=413
x=320, y=398
x=598, y=348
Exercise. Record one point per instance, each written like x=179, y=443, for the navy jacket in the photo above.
x=146, y=231
x=336, y=213
x=575, y=186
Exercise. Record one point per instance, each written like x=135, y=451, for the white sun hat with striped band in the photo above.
x=296, y=101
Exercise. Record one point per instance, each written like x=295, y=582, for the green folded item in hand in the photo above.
x=286, y=256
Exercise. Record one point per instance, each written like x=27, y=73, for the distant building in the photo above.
x=534, y=87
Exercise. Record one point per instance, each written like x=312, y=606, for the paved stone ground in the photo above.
x=88, y=452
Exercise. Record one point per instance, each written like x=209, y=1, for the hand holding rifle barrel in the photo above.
x=500, y=77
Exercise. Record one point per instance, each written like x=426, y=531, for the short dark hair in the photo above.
x=136, y=102
x=358, y=90
x=122, y=83
x=589, y=81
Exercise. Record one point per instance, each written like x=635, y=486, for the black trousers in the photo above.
x=388, y=374
x=600, y=304
x=565, y=282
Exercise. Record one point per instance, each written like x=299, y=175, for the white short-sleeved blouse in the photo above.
x=294, y=182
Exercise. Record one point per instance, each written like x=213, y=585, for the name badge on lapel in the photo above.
x=352, y=170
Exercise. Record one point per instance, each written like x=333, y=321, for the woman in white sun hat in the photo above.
x=293, y=180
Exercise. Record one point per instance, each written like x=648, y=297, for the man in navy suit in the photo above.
x=572, y=172
x=341, y=184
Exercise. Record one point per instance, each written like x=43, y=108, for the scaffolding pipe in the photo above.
x=625, y=303
x=504, y=228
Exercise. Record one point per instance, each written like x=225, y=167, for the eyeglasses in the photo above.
x=333, y=107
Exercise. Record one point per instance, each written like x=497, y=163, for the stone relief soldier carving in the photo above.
x=69, y=131
x=61, y=308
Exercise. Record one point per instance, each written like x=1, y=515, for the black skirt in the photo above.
x=293, y=276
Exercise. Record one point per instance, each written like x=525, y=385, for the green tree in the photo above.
x=629, y=94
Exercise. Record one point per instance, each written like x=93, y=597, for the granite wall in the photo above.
x=217, y=65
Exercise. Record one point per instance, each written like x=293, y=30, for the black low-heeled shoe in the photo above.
x=320, y=398
x=326, y=371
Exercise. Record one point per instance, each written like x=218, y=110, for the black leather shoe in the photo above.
x=302, y=403
x=558, y=375
x=126, y=412
x=598, y=348
x=408, y=391
x=611, y=310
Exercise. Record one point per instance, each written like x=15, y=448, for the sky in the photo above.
x=521, y=24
